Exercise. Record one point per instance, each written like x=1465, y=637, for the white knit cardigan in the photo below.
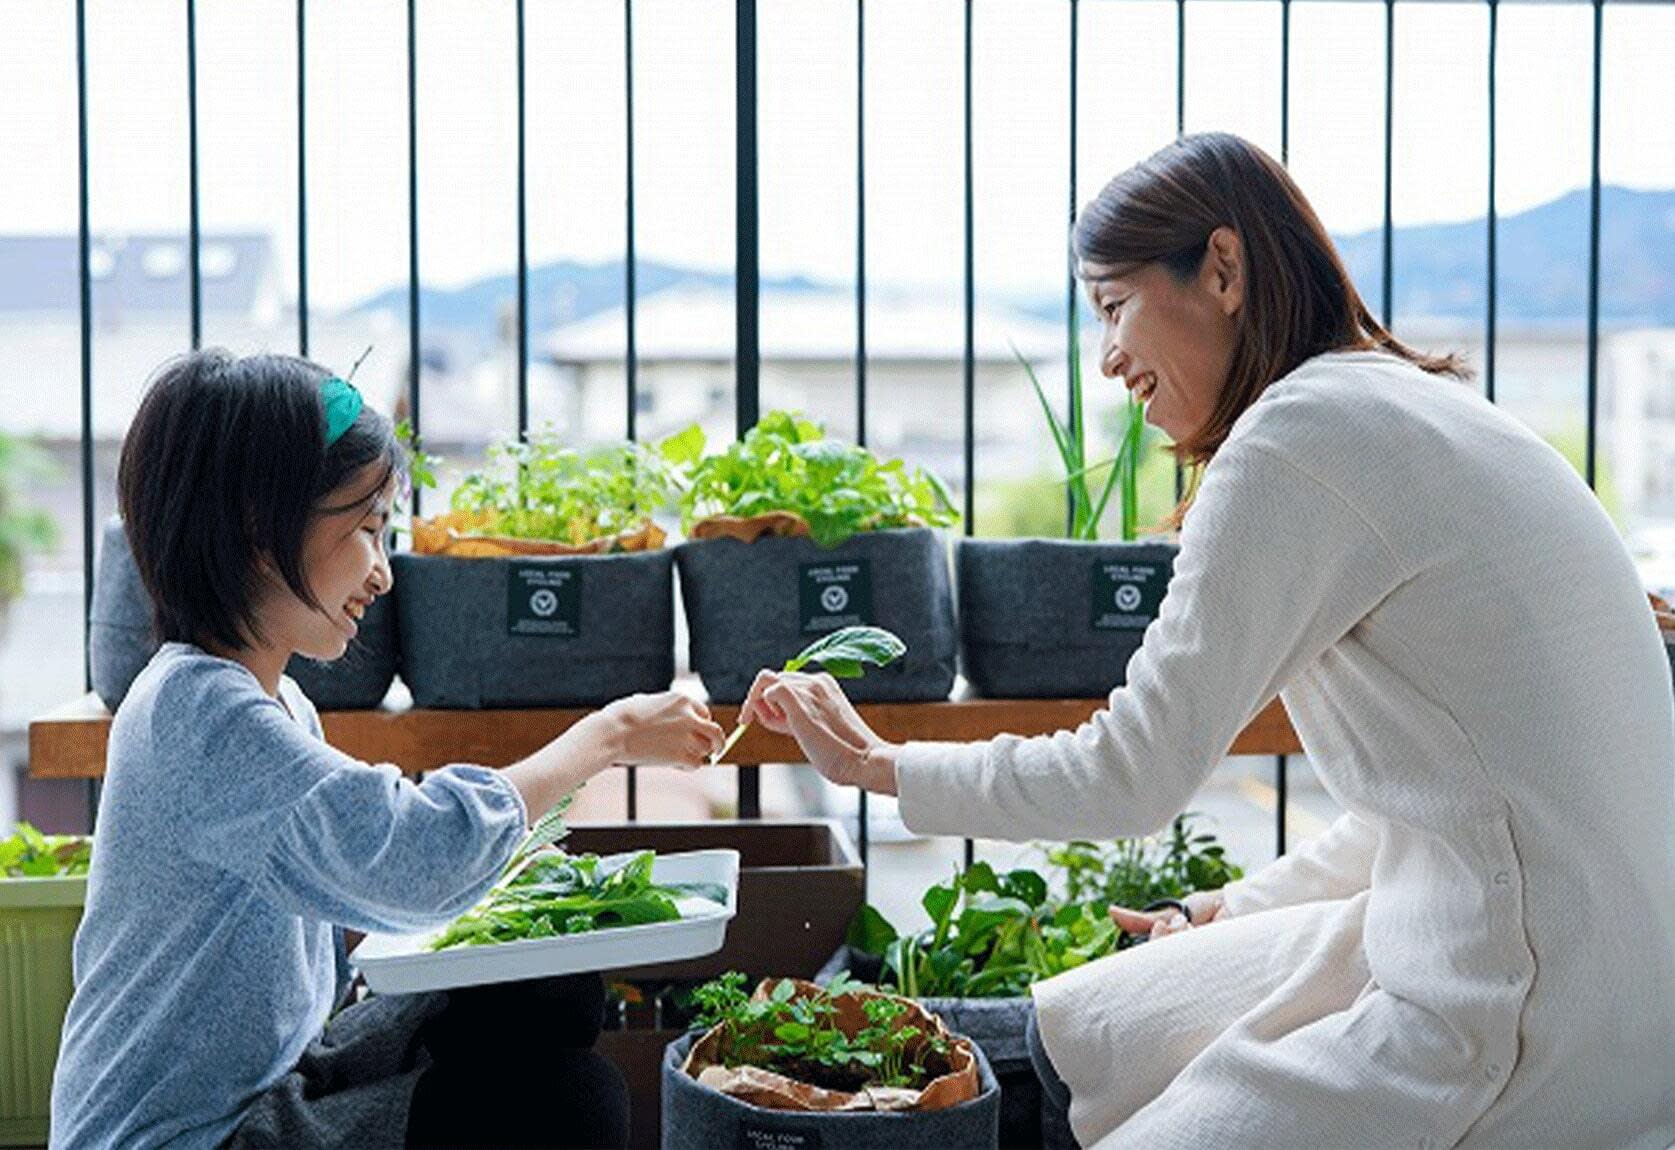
x=1481, y=952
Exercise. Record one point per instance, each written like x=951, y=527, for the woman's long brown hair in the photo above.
x=1299, y=301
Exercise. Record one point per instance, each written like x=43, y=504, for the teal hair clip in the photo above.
x=343, y=407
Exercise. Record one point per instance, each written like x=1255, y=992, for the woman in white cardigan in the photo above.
x=1481, y=952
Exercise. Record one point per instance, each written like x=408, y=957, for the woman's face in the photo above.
x=347, y=567
x=1170, y=341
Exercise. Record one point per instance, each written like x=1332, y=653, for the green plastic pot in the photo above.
x=38, y=920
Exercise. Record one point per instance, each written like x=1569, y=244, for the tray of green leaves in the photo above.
x=552, y=913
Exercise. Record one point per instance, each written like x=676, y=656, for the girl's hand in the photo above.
x=667, y=728
x=1207, y=906
x=813, y=710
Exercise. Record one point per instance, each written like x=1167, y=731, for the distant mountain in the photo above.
x=1440, y=272
x=1440, y=269
x=561, y=292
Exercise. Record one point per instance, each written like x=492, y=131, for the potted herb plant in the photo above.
x=992, y=936
x=43, y=884
x=546, y=583
x=795, y=1064
x=792, y=535
x=1060, y=618
x=121, y=639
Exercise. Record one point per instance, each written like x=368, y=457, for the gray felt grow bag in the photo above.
x=535, y=631
x=755, y=605
x=1055, y=618
x=696, y=1117
x=121, y=643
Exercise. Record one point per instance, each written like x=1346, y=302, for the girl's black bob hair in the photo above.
x=222, y=470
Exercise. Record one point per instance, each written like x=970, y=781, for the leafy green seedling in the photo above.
x=31, y=854
x=786, y=463
x=844, y=654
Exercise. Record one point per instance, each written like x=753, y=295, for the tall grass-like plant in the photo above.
x=1088, y=502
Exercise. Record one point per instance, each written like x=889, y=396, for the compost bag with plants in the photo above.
x=791, y=536
x=795, y=1064
x=545, y=583
x=1061, y=618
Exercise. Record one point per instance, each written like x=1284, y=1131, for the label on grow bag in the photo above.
x=544, y=602
x=1126, y=595
x=755, y=1137
x=833, y=595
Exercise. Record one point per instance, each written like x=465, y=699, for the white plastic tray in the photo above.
x=404, y=964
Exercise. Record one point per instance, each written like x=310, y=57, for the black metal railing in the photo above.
x=747, y=251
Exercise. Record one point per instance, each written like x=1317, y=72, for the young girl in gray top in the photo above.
x=235, y=845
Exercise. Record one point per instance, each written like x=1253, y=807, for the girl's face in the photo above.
x=1169, y=340
x=347, y=567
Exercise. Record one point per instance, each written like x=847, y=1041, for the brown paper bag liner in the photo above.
x=772, y=1091
x=469, y=535
x=784, y=523
x=749, y=530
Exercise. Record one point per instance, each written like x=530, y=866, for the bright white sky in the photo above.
x=684, y=123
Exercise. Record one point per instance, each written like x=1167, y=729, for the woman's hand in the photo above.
x=1207, y=906
x=667, y=728
x=836, y=741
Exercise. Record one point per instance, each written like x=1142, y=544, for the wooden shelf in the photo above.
x=69, y=742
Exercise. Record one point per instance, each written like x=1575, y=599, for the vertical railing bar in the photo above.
x=1075, y=350
x=970, y=361
x=1285, y=83
x=1180, y=68
x=630, y=288
x=747, y=287
x=630, y=282
x=860, y=225
x=413, y=366
x=1282, y=802
x=194, y=266
x=1591, y=457
x=85, y=277
x=302, y=179
x=1389, y=281
x=1493, y=270
x=1180, y=130
x=523, y=239
x=1282, y=789
x=863, y=827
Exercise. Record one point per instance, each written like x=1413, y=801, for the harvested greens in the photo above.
x=546, y=893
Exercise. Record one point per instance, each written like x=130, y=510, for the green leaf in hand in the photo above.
x=844, y=653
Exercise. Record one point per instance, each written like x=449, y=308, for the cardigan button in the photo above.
x=1502, y=878
x=1492, y=1071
